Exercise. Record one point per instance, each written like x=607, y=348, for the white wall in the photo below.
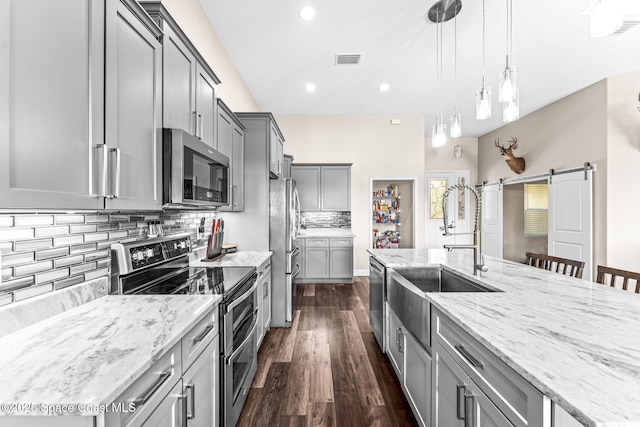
x=442, y=158
x=374, y=146
x=623, y=164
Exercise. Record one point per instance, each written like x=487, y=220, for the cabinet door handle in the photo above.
x=202, y=334
x=183, y=406
x=102, y=170
x=469, y=410
x=399, y=345
x=155, y=386
x=195, y=124
x=116, y=187
x=460, y=396
x=234, y=195
x=470, y=358
x=201, y=132
x=191, y=413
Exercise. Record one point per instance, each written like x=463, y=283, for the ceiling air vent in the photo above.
x=348, y=59
x=627, y=24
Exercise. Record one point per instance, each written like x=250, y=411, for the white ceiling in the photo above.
x=277, y=54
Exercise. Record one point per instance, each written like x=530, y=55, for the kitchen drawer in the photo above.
x=198, y=337
x=521, y=402
x=341, y=242
x=148, y=391
x=316, y=243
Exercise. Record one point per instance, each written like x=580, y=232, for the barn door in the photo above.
x=571, y=217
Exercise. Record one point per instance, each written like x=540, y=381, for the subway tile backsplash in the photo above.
x=42, y=252
x=313, y=219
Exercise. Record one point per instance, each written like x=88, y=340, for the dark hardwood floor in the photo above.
x=327, y=369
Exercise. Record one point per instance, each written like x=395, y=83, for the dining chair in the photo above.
x=607, y=276
x=559, y=265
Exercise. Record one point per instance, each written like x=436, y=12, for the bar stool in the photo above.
x=607, y=276
x=559, y=265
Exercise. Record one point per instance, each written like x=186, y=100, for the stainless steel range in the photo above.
x=161, y=266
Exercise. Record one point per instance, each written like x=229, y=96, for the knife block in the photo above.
x=214, y=247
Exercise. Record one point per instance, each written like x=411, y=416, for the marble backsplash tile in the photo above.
x=44, y=252
x=325, y=219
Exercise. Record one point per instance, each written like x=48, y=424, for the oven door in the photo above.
x=239, y=370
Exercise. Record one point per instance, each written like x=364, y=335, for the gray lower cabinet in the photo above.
x=326, y=260
x=323, y=187
x=231, y=143
x=189, y=100
x=470, y=382
x=133, y=112
x=412, y=365
x=87, y=136
x=264, y=301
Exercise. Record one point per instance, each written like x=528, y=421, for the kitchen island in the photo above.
x=76, y=362
x=575, y=341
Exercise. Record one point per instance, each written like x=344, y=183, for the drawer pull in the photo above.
x=202, y=334
x=147, y=395
x=460, y=407
x=470, y=358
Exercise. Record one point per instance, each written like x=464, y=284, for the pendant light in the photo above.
x=455, y=121
x=511, y=109
x=483, y=95
x=439, y=130
x=507, y=87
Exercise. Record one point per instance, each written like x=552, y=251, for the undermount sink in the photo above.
x=406, y=288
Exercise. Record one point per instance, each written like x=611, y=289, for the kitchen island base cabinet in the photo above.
x=412, y=365
x=493, y=390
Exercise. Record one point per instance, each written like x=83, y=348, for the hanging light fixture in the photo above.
x=483, y=95
x=507, y=88
x=439, y=130
x=511, y=109
x=455, y=121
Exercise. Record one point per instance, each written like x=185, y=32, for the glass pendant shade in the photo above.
x=483, y=103
x=438, y=135
x=511, y=109
x=507, y=88
x=455, y=125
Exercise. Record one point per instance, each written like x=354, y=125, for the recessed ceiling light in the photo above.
x=383, y=87
x=310, y=87
x=307, y=13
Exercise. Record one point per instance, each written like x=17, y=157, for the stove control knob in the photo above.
x=183, y=244
x=149, y=253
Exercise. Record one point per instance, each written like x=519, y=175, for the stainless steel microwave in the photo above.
x=194, y=174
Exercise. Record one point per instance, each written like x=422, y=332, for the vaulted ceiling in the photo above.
x=277, y=54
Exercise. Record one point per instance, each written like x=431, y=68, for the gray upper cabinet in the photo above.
x=51, y=103
x=133, y=113
x=324, y=187
x=307, y=180
x=276, y=152
x=231, y=143
x=189, y=101
x=336, y=188
x=87, y=135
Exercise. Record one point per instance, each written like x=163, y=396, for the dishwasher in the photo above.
x=377, y=289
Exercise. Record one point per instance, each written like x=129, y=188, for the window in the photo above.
x=536, y=209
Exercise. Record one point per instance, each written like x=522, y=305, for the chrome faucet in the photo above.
x=478, y=259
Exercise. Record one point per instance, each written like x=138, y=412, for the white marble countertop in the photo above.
x=92, y=353
x=236, y=259
x=325, y=232
x=576, y=341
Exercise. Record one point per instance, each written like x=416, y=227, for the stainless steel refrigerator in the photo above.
x=284, y=221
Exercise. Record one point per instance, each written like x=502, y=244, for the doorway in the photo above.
x=392, y=213
x=526, y=220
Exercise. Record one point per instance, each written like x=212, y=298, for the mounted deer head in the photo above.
x=515, y=163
